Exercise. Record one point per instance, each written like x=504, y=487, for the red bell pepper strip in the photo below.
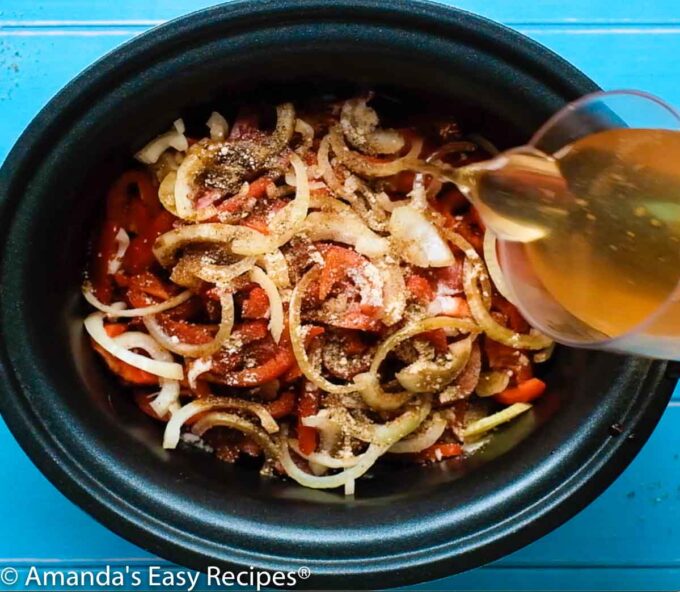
x=502, y=357
x=120, y=214
x=337, y=262
x=308, y=404
x=420, y=287
x=438, y=452
x=139, y=256
x=284, y=405
x=256, y=305
x=524, y=392
x=437, y=337
x=516, y=321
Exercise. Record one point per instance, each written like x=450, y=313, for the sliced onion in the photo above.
x=166, y=192
x=359, y=123
x=429, y=376
x=369, y=167
x=297, y=338
x=223, y=274
x=218, y=126
x=94, y=325
x=200, y=349
x=327, y=172
x=490, y=422
x=167, y=245
x=375, y=216
x=307, y=133
x=493, y=266
x=368, y=383
x=168, y=397
x=545, y=354
x=366, y=461
x=387, y=204
x=116, y=312
x=185, y=413
x=235, y=422
x=123, y=241
x=488, y=324
x=385, y=434
x=153, y=150
x=324, y=459
x=491, y=383
x=178, y=124
x=418, y=240
x=394, y=292
x=275, y=305
x=184, y=183
x=475, y=259
x=276, y=267
x=285, y=224
x=197, y=367
x=347, y=228
x=426, y=438
x=326, y=203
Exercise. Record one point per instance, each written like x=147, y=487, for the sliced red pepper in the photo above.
x=437, y=337
x=139, y=256
x=450, y=277
x=402, y=182
x=250, y=331
x=420, y=287
x=337, y=262
x=438, y=452
x=502, y=357
x=191, y=333
x=284, y=405
x=115, y=329
x=120, y=214
x=150, y=284
x=258, y=188
x=308, y=404
x=256, y=222
x=256, y=305
x=524, y=392
x=352, y=343
x=516, y=321
x=355, y=319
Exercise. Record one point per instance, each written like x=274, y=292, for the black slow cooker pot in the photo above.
x=407, y=524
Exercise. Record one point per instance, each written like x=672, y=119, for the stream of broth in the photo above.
x=600, y=221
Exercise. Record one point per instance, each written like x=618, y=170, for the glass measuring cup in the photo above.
x=658, y=333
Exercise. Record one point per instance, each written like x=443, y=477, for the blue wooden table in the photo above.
x=628, y=539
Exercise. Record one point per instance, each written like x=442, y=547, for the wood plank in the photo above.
x=546, y=11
